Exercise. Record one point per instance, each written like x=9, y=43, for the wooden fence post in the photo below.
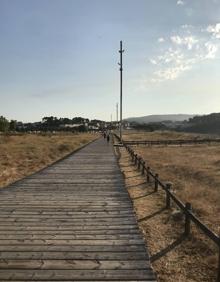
x=168, y=202
x=139, y=162
x=156, y=182
x=218, y=275
x=148, y=174
x=188, y=207
x=143, y=167
x=135, y=159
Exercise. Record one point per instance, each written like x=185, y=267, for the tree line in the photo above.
x=209, y=124
x=6, y=125
x=51, y=123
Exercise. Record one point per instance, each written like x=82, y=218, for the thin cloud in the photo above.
x=211, y=50
x=171, y=73
x=153, y=62
x=188, y=41
x=214, y=30
x=183, y=50
x=180, y=2
x=161, y=40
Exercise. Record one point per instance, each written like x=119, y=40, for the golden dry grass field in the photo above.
x=194, y=171
x=160, y=135
x=195, y=174
x=21, y=155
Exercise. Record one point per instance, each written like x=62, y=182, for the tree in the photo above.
x=12, y=125
x=4, y=124
x=50, y=123
x=79, y=120
x=82, y=128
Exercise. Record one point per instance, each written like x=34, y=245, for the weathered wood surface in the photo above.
x=73, y=221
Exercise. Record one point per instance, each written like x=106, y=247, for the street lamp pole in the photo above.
x=121, y=70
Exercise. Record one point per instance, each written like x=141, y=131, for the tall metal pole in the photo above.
x=121, y=70
x=117, y=112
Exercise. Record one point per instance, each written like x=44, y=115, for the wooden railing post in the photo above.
x=168, y=202
x=143, y=167
x=148, y=174
x=139, y=162
x=135, y=159
x=218, y=275
x=188, y=207
x=156, y=182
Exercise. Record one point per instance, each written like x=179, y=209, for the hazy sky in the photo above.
x=59, y=57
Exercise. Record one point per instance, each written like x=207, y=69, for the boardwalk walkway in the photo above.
x=73, y=221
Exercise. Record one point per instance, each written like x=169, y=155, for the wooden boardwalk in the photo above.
x=72, y=221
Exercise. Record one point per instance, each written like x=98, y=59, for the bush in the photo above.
x=63, y=147
x=4, y=124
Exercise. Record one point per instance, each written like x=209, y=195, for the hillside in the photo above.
x=160, y=118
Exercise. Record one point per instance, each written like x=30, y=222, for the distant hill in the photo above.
x=160, y=118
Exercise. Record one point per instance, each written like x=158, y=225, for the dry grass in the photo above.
x=194, y=172
x=24, y=154
x=160, y=135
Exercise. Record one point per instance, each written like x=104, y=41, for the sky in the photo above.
x=60, y=57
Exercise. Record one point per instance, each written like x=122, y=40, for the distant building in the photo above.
x=76, y=125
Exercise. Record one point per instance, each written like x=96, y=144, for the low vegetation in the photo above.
x=160, y=135
x=204, y=124
x=23, y=154
x=194, y=173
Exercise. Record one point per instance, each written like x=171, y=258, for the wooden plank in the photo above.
x=76, y=227
x=69, y=237
x=90, y=275
x=39, y=215
x=67, y=221
x=124, y=280
x=73, y=264
x=77, y=242
x=70, y=232
x=71, y=248
x=22, y=255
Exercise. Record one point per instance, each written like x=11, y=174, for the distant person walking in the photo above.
x=108, y=138
x=104, y=135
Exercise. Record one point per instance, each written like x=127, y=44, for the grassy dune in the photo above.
x=24, y=154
